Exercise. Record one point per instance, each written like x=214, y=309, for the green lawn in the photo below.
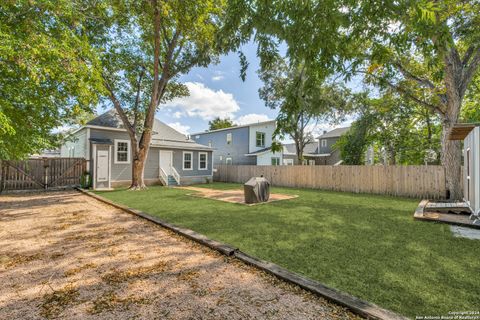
x=366, y=245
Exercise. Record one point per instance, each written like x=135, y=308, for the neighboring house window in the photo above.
x=187, y=160
x=311, y=162
x=71, y=152
x=122, y=151
x=260, y=139
x=220, y=158
x=228, y=160
x=324, y=143
x=210, y=143
x=288, y=162
x=275, y=161
x=304, y=162
x=202, y=161
x=229, y=138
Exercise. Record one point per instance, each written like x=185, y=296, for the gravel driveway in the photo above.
x=66, y=255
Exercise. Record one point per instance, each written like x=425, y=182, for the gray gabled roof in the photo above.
x=163, y=134
x=310, y=148
x=335, y=133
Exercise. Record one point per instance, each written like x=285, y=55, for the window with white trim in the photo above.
x=202, y=161
x=187, y=160
x=288, y=162
x=324, y=143
x=275, y=161
x=311, y=162
x=229, y=138
x=122, y=151
x=260, y=139
x=228, y=160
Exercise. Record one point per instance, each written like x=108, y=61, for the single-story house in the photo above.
x=173, y=159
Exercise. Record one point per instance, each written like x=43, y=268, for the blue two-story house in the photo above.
x=249, y=144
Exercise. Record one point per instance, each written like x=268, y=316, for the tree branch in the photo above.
x=408, y=94
x=469, y=71
x=118, y=108
x=407, y=74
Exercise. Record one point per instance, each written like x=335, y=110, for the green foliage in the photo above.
x=48, y=73
x=300, y=100
x=219, y=123
x=399, y=131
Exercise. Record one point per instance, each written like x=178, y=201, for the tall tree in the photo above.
x=144, y=46
x=300, y=100
x=219, y=123
x=48, y=73
x=429, y=52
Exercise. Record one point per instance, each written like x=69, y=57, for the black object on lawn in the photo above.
x=256, y=190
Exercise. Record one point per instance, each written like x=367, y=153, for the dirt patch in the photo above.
x=233, y=196
x=65, y=255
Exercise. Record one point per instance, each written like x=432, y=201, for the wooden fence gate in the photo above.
x=42, y=173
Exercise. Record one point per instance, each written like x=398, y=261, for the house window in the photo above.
x=228, y=160
x=202, y=161
x=260, y=139
x=324, y=143
x=122, y=151
x=229, y=138
x=220, y=158
x=288, y=162
x=210, y=143
x=304, y=162
x=275, y=161
x=311, y=162
x=187, y=160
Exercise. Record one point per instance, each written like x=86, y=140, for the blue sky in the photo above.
x=218, y=91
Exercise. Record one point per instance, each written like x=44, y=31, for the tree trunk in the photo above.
x=451, y=161
x=138, y=168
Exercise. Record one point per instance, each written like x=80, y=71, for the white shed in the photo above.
x=470, y=134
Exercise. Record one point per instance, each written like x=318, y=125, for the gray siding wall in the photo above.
x=236, y=150
x=76, y=143
x=121, y=172
x=178, y=164
x=330, y=143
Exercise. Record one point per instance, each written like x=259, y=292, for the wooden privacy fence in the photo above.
x=42, y=173
x=407, y=181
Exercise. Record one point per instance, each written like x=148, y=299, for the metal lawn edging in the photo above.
x=356, y=305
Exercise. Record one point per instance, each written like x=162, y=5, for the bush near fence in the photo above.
x=405, y=181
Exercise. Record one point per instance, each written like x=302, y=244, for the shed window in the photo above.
x=122, y=151
x=202, y=161
x=187, y=161
x=260, y=139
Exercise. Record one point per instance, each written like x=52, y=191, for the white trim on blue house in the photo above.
x=183, y=160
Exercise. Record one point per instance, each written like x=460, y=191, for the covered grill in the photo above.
x=256, y=190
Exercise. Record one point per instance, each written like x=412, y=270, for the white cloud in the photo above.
x=251, y=118
x=177, y=115
x=219, y=75
x=205, y=103
x=179, y=127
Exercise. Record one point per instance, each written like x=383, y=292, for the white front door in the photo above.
x=166, y=161
x=102, y=165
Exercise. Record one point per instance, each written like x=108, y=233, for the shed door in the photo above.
x=102, y=165
x=469, y=173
